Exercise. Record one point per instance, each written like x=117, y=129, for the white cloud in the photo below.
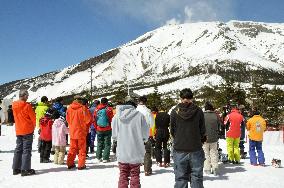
x=172, y=21
x=188, y=14
x=159, y=12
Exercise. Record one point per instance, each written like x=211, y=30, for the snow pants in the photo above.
x=242, y=139
x=59, y=154
x=77, y=146
x=147, y=157
x=93, y=137
x=23, y=152
x=162, y=137
x=233, y=149
x=256, y=145
x=129, y=170
x=45, y=150
x=211, y=156
x=104, y=145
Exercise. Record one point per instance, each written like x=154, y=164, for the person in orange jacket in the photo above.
x=233, y=122
x=79, y=120
x=256, y=127
x=25, y=122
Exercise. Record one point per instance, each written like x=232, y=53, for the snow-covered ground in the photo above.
x=106, y=175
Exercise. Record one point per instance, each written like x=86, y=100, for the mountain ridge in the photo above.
x=236, y=49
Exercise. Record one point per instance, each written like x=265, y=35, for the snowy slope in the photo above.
x=173, y=54
x=106, y=175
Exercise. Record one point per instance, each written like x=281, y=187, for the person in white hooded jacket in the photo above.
x=2, y=118
x=129, y=129
x=141, y=107
x=150, y=123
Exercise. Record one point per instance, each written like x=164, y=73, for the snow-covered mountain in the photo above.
x=173, y=57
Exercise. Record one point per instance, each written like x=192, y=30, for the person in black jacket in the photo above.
x=11, y=120
x=162, y=136
x=187, y=128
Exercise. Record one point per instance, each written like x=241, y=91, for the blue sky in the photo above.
x=38, y=36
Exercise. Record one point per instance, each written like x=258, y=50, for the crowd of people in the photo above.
x=138, y=135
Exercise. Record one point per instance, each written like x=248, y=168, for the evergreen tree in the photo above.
x=274, y=106
x=154, y=99
x=120, y=95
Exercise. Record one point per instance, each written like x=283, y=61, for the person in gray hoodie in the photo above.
x=210, y=147
x=129, y=129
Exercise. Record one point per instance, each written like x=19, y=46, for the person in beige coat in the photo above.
x=210, y=147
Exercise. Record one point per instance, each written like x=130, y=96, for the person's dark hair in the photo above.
x=96, y=102
x=10, y=106
x=55, y=115
x=186, y=94
x=59, y=99
x=84, y=101
x=130, y=103
x=255, y=111
x=155, y=109
x=142, y=99
x=104, y=100
x=208, y=106
x=49, y=112
x=44, y=99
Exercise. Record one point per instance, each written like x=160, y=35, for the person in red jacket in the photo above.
x=102, y=121
x=233, y=123
x=79, y=120
x=46, y=134
x=25, y=122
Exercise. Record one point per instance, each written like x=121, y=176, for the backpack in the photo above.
x=102, y=118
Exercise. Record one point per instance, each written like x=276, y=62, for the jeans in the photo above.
x=23, y=152
x=188, y=167
x=252, y=155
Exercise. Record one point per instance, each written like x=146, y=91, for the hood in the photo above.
x=41, y=104
x=58, y=122
x=126, y=112
x=75, y=105
x=19, y=104
x=44, y=121
x=101, y=106
x=57, y=105
x=143, y=107
x=186, y=110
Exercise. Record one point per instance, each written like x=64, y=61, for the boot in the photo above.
x=28, y=172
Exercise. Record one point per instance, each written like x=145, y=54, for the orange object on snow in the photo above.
x=79, y=120
x=25, y=118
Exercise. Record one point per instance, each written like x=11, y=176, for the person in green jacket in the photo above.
x=41, y=109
